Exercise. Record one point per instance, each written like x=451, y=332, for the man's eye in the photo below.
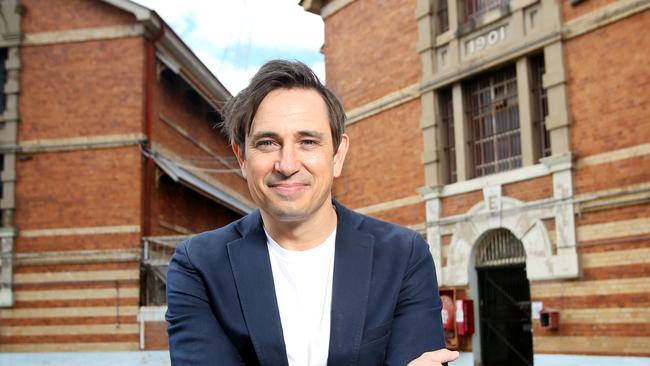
x=264, y=144
x=309, y=142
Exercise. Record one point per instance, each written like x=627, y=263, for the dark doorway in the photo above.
x=504, y=301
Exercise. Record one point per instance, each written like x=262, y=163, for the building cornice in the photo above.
x=74, y=143
x=603, y=16
x=316, y=6
x=82, y=35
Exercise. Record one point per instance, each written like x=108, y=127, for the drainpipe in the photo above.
x=149, y=115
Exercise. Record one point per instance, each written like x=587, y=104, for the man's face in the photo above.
x=289, y=161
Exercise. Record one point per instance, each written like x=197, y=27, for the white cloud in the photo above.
x=319, y=70
x=263, y=23
x=233, y=38
x=234, y=77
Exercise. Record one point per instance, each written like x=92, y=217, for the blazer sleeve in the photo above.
x=417, y=324
x=195, y=336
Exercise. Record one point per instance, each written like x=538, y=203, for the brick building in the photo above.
x=514, y=135
x=107, y=137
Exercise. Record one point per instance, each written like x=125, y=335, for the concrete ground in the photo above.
x=161, y=358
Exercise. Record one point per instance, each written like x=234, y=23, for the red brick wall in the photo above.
x=77, y=242
x=531, y=189
x=609, y=102
x=58, y=15
x=460, y=204
x=613, y=214
x=609, y=106
x=155, y=336
x=370, y=50
x=175, y=204
x=76, y=90
x=570, y=12
x=372, y=174
x=404, y=215
x=369, y=53
x=81, y=89
x=598, y=301
x=607, y=245
x=83, y=188
x=608, y=92
x=612, y=175
x=78, y=189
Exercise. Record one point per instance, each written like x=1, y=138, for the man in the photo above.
x=303, y=280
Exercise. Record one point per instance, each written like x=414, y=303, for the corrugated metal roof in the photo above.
x=178, y=174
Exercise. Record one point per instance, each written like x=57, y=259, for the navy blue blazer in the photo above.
x=222, y=308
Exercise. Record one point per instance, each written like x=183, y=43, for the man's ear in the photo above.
x=339, y=157
x=239, y=153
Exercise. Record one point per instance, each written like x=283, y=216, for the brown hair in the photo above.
x=239, y=111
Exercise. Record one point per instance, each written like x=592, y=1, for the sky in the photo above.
x=234, y=38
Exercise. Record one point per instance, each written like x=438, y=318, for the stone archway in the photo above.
x=525, y=224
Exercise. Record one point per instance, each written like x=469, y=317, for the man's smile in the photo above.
x=289, y=188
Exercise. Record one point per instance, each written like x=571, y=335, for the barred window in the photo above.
x=493, y=119
x=446, y=107
x=476, y=8
x=540, y=105
x=443, y=16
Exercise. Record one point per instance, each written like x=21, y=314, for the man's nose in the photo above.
x=288, y=162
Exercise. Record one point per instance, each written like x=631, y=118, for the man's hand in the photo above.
x=435, y=358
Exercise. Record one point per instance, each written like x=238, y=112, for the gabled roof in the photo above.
x=177, y=57
x=175, y=53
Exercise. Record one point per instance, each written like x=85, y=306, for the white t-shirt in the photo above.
x=303, y=287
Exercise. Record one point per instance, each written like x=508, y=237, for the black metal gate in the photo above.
x=504, y=301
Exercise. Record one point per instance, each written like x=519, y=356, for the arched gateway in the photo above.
x=504, y=300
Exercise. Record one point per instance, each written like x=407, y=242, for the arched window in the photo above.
x=500, y=247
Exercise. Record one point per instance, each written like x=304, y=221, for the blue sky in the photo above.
x=235, y=37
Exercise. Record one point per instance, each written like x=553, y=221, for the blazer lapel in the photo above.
x=351, y=284
x=251, y=268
